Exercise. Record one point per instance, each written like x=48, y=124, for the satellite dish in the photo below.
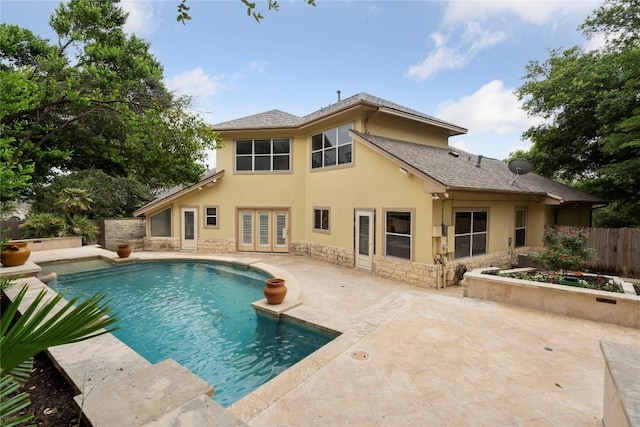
x=520, y=166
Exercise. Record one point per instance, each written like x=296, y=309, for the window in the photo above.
x=521, y=227
x=211, y=216
x=263, y=154
x=321, y=219
x=471, y=233
x=161, y=223
x=331, y=148
x=398, y=234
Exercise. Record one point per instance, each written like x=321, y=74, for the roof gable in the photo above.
x=278, y=119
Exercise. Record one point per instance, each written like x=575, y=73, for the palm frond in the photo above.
x=11, y=403
x=42, y=325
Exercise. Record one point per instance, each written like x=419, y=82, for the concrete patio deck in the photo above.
x=410, y=356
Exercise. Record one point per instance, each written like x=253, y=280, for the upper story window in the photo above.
x=471, y=233
x=332, y=147
x=254, y=155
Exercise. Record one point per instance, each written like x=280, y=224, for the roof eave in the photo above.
x=153, y=205
x=453, y=129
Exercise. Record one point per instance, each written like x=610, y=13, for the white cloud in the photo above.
x=200, y=86
x=536, y=12
x=142, y=20
x=474, y=40
x=492, y=108
x=259, y=65
x=195, y=83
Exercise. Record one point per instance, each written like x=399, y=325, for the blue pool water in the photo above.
x=200, y=315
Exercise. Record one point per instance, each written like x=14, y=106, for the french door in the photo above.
x=263, y=230
x=364, y=239
x=189, y=229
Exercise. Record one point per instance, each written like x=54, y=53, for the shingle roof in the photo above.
x=278, y=119
x=268, y=119
x=461, y=172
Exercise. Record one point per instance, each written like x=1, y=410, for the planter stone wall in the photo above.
x=49, y=243
x=601, y=306
x=330, y=254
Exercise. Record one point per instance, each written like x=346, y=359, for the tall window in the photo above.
x=521, y=227
x=263, y=154
x=321, y=219
x=471, y=233
x=332, y=147
x=398, y=234
x=161, y=223
x=211, y=216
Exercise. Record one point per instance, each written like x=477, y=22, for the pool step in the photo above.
x=157, y=395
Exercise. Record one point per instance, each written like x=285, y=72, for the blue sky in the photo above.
x=457, y=60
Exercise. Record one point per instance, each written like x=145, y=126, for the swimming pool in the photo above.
x=200, y=315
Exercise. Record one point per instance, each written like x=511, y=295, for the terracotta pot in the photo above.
x=124, y=250
x=14, y=254
x=275, y=291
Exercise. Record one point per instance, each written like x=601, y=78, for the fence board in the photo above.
x=617, y=250
x=10, y=229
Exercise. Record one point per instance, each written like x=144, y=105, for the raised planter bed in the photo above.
x=618, y=308
x=49, y=243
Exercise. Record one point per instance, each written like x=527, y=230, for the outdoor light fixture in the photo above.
x=435, y=196
x=404, y=171
x=446, y=195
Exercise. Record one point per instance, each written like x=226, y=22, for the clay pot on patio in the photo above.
x=275, y=291
x=124, y=250
x=15, y=254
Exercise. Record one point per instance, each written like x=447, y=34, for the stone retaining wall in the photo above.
x=413, y=273
x=117, y=231
x=330, y=254
x=50, y=243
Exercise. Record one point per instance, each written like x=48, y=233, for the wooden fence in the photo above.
x=10, y=229
x=617, y=250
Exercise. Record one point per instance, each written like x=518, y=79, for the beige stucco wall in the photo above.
x=374, y=183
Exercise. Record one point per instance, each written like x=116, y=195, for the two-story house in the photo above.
x=363, y=183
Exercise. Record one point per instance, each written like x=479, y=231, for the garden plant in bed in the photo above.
x=565, y=254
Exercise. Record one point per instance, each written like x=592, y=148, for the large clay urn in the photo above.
x=275, y=291
x=15, y=254
x=124, y=250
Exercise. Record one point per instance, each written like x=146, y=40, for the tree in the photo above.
x=87, y=100
x=590, y=103
x=113, y=197
x=183, y=9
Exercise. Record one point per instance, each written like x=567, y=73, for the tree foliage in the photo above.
x=183, y=9
x=92, y=99
x=591, y=107
x=112, y=196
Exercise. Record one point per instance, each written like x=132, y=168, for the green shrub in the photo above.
x=564, y=249
x=41, y=225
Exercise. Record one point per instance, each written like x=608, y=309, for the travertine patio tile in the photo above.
x=384, y=404
x=441, y=397
x=456, y=416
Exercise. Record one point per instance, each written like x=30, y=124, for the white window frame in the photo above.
x=206, y=216
x=471, y=232
x=253, y=155
x=341, y=141
x=325, y=218
x=393, y=233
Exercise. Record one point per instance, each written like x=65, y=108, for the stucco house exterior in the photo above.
x=364, y=183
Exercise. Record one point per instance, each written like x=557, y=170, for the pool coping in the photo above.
x=104, y=361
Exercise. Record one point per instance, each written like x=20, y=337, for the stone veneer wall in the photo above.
x=161, y=244
x=217, y=245
x=123, y=230
x=413, y=273
x=331, y=254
